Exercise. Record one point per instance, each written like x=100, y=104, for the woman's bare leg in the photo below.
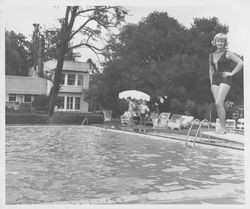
x=215, y=90
x=222, y=92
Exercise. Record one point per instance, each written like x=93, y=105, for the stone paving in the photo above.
x=87, y=165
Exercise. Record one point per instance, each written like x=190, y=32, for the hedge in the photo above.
x=57, y=118
x=76, y=118
x=26, y=118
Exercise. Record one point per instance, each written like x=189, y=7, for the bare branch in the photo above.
x=80, y=28
x=93, y=9
x=92, y=48
x=85, y=44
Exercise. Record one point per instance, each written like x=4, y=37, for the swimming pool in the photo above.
x=73, y=164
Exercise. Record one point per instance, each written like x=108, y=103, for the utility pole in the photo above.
x=40, y=55
x=38, y=50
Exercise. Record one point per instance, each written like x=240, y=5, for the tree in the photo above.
x=93, y=20
x=52, y=39
x=154, y=39
x=200, y=35
x=159, y=56
x=44, y=42
x=18, y=56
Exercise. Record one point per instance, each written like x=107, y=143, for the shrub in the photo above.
x=176, y=106
x=57, y=118
x=204, y=111
x=12, y=118
x=25, y=107
x=41, y=102
x=123, y=106
x=190, y=108
x=76, y=118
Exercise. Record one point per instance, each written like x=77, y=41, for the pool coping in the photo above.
x=168, y=136
x=225, y=191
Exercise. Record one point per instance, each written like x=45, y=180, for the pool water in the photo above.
x=73, y=163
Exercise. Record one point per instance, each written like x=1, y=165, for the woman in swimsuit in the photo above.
x=221, y=70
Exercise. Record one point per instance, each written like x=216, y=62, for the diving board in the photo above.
x=226, y=137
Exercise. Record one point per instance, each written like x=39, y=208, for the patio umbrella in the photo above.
x=134, y=94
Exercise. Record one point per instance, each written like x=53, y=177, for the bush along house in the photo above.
x=75, y=78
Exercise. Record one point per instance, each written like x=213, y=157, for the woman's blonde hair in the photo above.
x=221, y=36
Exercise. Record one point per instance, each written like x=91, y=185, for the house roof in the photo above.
x=68, y=65
x=25, y=85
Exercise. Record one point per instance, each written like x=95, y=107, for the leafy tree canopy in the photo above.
x=160, y=56
x=18, y=56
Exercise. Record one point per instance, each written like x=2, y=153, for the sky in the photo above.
x=46, y=15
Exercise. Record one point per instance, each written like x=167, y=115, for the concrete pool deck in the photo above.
x=229, y=140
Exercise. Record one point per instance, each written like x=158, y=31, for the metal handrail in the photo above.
x=190, y=128
x=85, y=120
x=198, y=131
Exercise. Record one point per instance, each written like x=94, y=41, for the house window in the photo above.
x=12, y=97
x=71, y=79
x=27, y=98
x=80, y=80
x=77, y=103
x=60, y=102
x=63, y=79
x=70, y=103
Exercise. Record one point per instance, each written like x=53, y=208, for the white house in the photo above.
x=75, y=78
x=22, y=89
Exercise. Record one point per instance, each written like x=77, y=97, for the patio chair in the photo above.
x=230, y=125
x=175, y=122
x=240, y=126
x=107, y=115
x=162, y=120
x=125, y=118
x=186, y=121
x=152, y=117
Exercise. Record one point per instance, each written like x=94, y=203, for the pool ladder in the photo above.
x=85, y=121
x=198, y=130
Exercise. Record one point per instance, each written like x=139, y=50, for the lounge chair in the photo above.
x=230, y=125
x=240, y=126
x=107, y=115
x=186, y=121
x=162, y=120
x=125, y=118
x=175, y=122
x=152, y=117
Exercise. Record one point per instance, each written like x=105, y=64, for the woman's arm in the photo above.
x=211, y=69
x=237, y=60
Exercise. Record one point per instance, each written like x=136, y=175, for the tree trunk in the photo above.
x=57, y=79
